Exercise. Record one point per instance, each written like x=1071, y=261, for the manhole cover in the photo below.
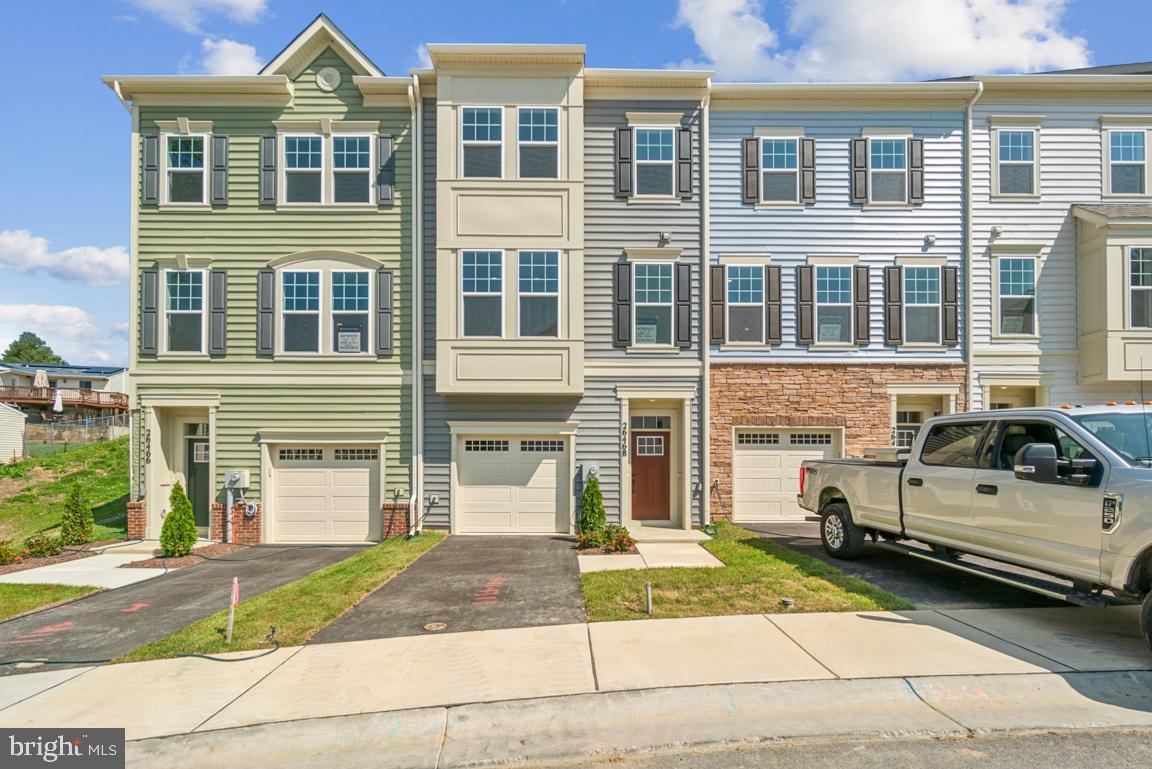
x=435, y=627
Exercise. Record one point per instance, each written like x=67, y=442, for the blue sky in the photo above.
x=64, y=142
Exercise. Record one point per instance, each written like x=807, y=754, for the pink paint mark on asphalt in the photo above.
x=490, y=593
x=136, y=607
x=44, y=632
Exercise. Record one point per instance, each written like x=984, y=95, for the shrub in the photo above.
x=617, y=539
x=42, y=546
x=9, y=553
x=178, y=534
x=592, y=518
x=77, y=524
x=589, y=540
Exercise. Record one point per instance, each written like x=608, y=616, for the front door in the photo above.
x=651, y=477
x=199, y=480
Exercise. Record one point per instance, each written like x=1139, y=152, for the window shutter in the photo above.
x=684, y=306
x=684, y=163
x=859, y=170
x=774, y=326
x=916, y=171
x=862, y=305
x=266, y=313
x=751, y=164
x=149, y=312
x=150, y=182
x=951, y=306
x=622, y=302
x=623, y=162
x=717, y=305
x=219, y=195
x=217, y=312
x=268, y=171
x=893, y=306
x=807, y=170
x=386, y=173
x=805, y=306
x=383, y=312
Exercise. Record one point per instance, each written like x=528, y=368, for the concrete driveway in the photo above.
x=472, y=583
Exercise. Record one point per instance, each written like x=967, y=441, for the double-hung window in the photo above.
x=833, y=304
x=1140, y=287
x=539, y=293
x=351, y=169
x=1017, y=306
x=888, y=170
x=1127, y=162
x=300, y=311
x=185, y=177
x=482, y=142
x=655, y=162
x=1016, y=161
x=652, y=300
x=745, y=303
x=922, y=305
x=482, y=289
x=184, y=311
x=303, y=169
x=350, y=302
x=778, y=170
x=539, y=143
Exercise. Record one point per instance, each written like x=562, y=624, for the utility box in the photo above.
x=237, y=479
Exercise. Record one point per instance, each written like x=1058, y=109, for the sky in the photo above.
x=64, y=138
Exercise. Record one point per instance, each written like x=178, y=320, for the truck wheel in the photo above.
x=841, y=538
x=1146, y=619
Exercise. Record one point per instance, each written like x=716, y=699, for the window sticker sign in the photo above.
x=348, y=341
x=646, y=333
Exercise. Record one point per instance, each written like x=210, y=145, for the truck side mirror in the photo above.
x=1037, y=462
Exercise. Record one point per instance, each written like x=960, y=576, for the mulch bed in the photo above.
x=605, y=551
x=71, y=554
x=196, y=556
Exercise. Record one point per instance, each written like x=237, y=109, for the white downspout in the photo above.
x=416, y=503
x=967, y=243
x=705, y=331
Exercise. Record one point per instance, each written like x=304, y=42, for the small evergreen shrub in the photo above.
x=178, y=534
x=592, y=517
x=77, y=524
x=42, y=546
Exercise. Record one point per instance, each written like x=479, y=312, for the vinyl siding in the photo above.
x=11, y=434
x=428, y=150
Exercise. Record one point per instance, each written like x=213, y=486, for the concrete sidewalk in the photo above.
x=95, y=571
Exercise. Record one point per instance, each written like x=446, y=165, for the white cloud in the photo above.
x=70, y=331
x=852, y=40
x=22, y=250
x=228, y=57
x=422, y=58
x=189, y=15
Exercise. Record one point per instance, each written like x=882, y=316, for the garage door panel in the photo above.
x=303, y=479
x=766, y=476
x=322, y=496
x=518, y=489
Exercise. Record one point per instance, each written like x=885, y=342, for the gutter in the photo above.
x=416, y=502
x=967, y=242
x=705, y=331
x=120, y=95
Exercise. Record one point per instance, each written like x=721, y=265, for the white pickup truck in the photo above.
x=1066, y=492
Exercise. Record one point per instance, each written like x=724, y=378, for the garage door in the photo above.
x=510, y=484
x=766, y=471
x=326, y=494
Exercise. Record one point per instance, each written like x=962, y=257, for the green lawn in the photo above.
x=18, y=599
x=299, y=609
x=756, y=575
x=102, y=468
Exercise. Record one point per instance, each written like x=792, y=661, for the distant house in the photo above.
x=85, y=391
x=11, y=433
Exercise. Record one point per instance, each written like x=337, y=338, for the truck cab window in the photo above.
x=953, y=445
x=1016, y=435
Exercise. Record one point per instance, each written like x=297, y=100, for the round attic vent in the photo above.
x=328, y=79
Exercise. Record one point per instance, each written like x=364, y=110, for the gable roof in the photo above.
x=307, y=45
x=12, y=411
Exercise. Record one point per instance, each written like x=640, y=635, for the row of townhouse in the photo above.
x=451, y=297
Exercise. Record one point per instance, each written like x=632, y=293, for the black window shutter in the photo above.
x=149, y=312
x=805, y=306
x=623, y=162
x=383, y=312
x=807, y=170
x=219, y=170
x=750, y=158
x=774, y=325
x=386, y=172
x=268, y=171
x=859, y=170
x=862, y=305
x=893, y=306
x=266, y=313
x=951, y=306
x=684, y=163
x=217, y=312
x=684, y=306
x=622, y=303
x=717, y=304
x=150, y=181
x=916, y=171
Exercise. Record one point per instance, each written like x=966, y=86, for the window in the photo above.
x=1017, y=296
x=545, y=447
x=1016, y=435
x=351, y=169
x=485, y=445
x=1140, y=287
x=922, y=305
x=201, y=453
x=810, y=439
x=303, y=169
x=888, y=169
x=350, y=298
x=1126, y=434
x=185, y=178
x=301, y=455
x=833, y=304
x=483, y=148
x=539, y=143
x=85, y=384
x=778, y=174
x=953, y=445
x=1126, y=162
x=539, y=293
x=1016, y=168
x=483, y=293
x=649, y=445
x=907, y=426
x=651, y=423
x=184, y=311
x=745, y=304
x=301, y=311
x=757, y=439
x=652, y=302
x=655, y=161
x=356, y=455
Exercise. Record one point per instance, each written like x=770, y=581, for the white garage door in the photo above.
x=326, y=494
x=766, y=471
x=511, y=484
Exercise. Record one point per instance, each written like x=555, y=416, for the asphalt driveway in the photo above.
x=472, y=583
x=110, y=624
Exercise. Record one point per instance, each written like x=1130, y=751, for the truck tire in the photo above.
x=1146, y=620
x=840, y=536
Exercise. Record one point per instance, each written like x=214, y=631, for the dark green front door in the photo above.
x=199, y=481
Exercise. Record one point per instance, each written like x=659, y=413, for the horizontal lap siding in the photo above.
x=428, y=150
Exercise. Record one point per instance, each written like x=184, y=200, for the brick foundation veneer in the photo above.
x=137, y=519
x=246, y=531
x=854, y=397
x=394, y=519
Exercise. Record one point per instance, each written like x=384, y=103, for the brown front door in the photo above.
x=650, y=476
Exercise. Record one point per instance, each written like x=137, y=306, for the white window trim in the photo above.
x=795, y=171
x=671, y=305
x=532, y=143
x=486, y=143
x=637, y=162
x=1108, y=163
x=503, y=290
x=203, y=351
x=873, y=171
x=996, y=162
x=318, y=312
x=205, y=172
x=763, y=303
x=939, y=305
x=997, y=312
x=333, y=171
x=281, y=182
x=370, y=325
x=1129, y=288
x=556, y=293
x=851, y=305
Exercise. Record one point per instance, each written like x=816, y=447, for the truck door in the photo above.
x=938, y=482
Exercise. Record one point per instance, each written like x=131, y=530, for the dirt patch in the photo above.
x=196, y=556
x=12, y=486
x=605, y=551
